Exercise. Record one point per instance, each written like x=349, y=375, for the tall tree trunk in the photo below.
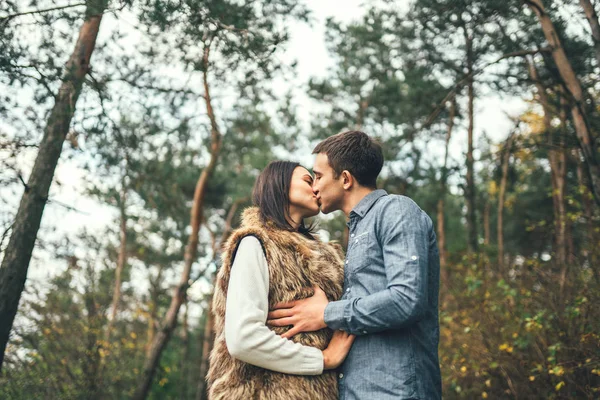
x=360, y=114
x=441, y=228
x=592, y=18
x=121, y=261
x=505, y=159
x=170, y=320
x=560, y=162
x=486, y=222
x=207, y=344
x=472, y=240
x=558, y=170
x=15, y=264
x=93, y=360
x=578, y=110
x=590, y=249
x=155, y=285
x=184, y=361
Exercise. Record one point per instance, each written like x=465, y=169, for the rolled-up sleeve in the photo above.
x=402, y=230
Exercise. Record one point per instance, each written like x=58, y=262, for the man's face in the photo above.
x=328, y=190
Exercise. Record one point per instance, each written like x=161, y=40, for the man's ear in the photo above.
x=347, y=180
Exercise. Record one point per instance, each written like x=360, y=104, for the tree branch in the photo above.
x=68, y=207
x=7, y=18
x=521, y=53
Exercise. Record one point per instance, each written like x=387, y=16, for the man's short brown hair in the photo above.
x=355, y=152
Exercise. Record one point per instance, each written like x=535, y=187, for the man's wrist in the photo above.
x=333, y=315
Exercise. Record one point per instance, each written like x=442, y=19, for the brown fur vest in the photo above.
x=296, y=263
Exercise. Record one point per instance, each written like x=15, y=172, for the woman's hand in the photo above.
x=337, y=350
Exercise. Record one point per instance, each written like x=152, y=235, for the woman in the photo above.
x=273, y=257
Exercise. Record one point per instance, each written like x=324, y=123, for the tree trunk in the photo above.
x=558, y=170
x=121, y=261
x=184, y=361
x=153, y=309
x=441, y=228
x=592, y=18
x=590, y=249
x=501, y=194
x=360, y=115
x=486, y=222
x=170, y=320
x=560, y=161
x=207, y=344
x=93, y=360
x=578, y=111
x=472, y=241
x=15, y=264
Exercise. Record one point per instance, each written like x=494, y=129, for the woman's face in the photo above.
x=303, y=201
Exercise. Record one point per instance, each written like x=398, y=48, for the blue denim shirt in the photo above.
x=390, y=301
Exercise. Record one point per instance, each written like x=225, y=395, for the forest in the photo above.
x=131, y=133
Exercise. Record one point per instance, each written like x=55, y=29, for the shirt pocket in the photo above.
x=358, y=248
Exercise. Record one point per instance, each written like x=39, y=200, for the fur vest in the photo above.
x=295, y=264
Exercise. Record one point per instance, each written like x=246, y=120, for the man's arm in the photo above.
x=405, y=246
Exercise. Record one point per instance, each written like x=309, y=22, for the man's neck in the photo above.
x=354, y=198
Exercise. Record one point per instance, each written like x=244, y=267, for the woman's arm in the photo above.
x=247, y=337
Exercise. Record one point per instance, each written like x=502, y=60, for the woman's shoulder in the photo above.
x=245, y=236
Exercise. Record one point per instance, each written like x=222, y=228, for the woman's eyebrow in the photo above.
x=309, y=176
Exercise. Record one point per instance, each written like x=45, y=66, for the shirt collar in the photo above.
x=363, y=206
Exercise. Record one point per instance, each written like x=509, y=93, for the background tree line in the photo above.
x=167, y=110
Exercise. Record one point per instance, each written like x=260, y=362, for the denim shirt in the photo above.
x=390, y=301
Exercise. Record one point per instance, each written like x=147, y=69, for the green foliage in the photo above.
x=503, y=338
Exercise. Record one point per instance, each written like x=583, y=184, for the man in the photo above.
x=391, y=279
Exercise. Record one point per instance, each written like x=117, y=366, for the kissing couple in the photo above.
x=295, y=318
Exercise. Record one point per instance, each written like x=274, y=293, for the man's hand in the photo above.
x=306, y=315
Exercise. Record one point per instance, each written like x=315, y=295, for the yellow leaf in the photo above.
x=532, y=378
x=484, y=395
x=560, y=385
x=463, y=369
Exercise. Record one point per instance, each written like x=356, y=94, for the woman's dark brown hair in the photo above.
x=271, y=195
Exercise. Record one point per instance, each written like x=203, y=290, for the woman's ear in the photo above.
x=347, y=180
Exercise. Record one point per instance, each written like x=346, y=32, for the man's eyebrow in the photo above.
x=316, y=172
